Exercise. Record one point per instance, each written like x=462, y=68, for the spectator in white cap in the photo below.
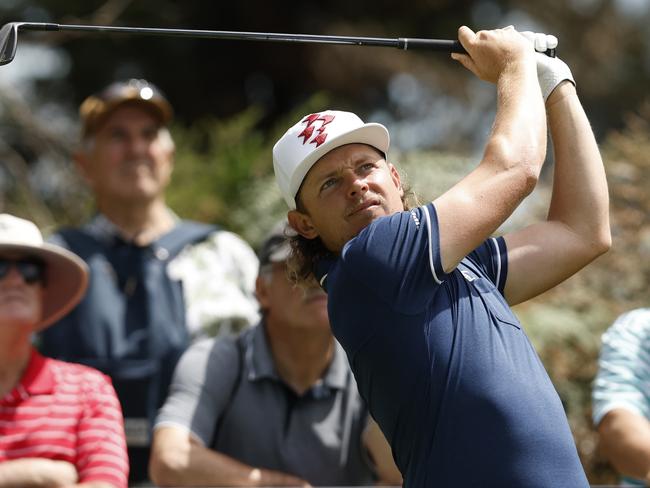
x=60, y=423
x=420, y=299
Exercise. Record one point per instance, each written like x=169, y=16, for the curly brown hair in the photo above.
x=305, y=253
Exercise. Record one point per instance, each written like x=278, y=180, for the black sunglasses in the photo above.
x=31, y=269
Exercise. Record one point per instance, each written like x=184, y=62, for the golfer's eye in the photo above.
x=328, y=184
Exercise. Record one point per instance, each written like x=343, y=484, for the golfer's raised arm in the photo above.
x=577, y=227
x=475, y=207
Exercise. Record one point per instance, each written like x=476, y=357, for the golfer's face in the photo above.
x=129, y=158
x=347, y=189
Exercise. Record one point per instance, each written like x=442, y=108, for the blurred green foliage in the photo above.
x=214, y=160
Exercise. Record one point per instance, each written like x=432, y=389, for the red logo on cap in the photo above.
x=308, y=132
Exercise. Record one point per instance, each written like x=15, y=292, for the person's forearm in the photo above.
x=36, y=473
x=580, y=197
x=205, y=467
x=625, y=442
x=381, y=454
x=518, y=136
x=93, y=484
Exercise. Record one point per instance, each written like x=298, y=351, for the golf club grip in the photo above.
x=441, y=45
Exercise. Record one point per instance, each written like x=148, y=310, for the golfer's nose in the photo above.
x=356, y=185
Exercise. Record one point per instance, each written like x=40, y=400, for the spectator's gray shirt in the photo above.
x=227, y=393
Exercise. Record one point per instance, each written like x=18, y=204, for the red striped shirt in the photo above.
x=66, y=412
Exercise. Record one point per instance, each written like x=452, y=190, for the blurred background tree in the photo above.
x=233, y=99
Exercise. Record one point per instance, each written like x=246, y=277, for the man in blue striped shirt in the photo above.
x=621, y=396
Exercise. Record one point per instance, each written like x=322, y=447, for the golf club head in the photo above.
x=8, y=42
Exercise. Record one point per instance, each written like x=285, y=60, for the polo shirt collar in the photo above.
x=321, y=270
x=38, y=378
x=259, y=361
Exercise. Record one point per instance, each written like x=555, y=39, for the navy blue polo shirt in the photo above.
x=443, y=363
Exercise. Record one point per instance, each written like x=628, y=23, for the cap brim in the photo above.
x=96, y=117
x=159, y=105
x=373, y=134
x=66, y=279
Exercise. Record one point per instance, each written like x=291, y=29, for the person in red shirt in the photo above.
x=60, y=423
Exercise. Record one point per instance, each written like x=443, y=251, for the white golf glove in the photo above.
x=550, y=71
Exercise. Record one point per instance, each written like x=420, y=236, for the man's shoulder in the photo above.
x=81, y=375
x=94, y=236
x=208, y=345
x=220, y=256
x=63, y=235
x=634, y=322
x=639, y=315
x=217, y=239
x=225, y=238
x=221, y=349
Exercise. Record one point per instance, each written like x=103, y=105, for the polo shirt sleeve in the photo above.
x=203, y=380
x=491, y=258
x=398, y=257
x=623, y=379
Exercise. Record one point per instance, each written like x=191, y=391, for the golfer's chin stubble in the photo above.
x=349, y=228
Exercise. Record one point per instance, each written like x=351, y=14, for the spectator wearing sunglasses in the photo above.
x=60, y=423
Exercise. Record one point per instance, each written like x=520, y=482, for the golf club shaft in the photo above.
x=400, y=43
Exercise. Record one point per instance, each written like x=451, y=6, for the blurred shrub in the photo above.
x=214, y=160
x=224, y=171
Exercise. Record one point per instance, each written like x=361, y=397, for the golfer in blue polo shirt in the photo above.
x=419, y=298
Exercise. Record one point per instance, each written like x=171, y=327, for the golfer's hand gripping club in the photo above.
x=551, y=71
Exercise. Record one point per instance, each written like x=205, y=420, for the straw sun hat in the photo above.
x=66, y=274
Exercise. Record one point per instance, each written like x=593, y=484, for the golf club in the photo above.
x=9, y=37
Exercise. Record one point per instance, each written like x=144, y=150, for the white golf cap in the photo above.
x=314, y=136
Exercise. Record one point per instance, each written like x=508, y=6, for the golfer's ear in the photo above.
x=302, y=224
x=397, y=180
